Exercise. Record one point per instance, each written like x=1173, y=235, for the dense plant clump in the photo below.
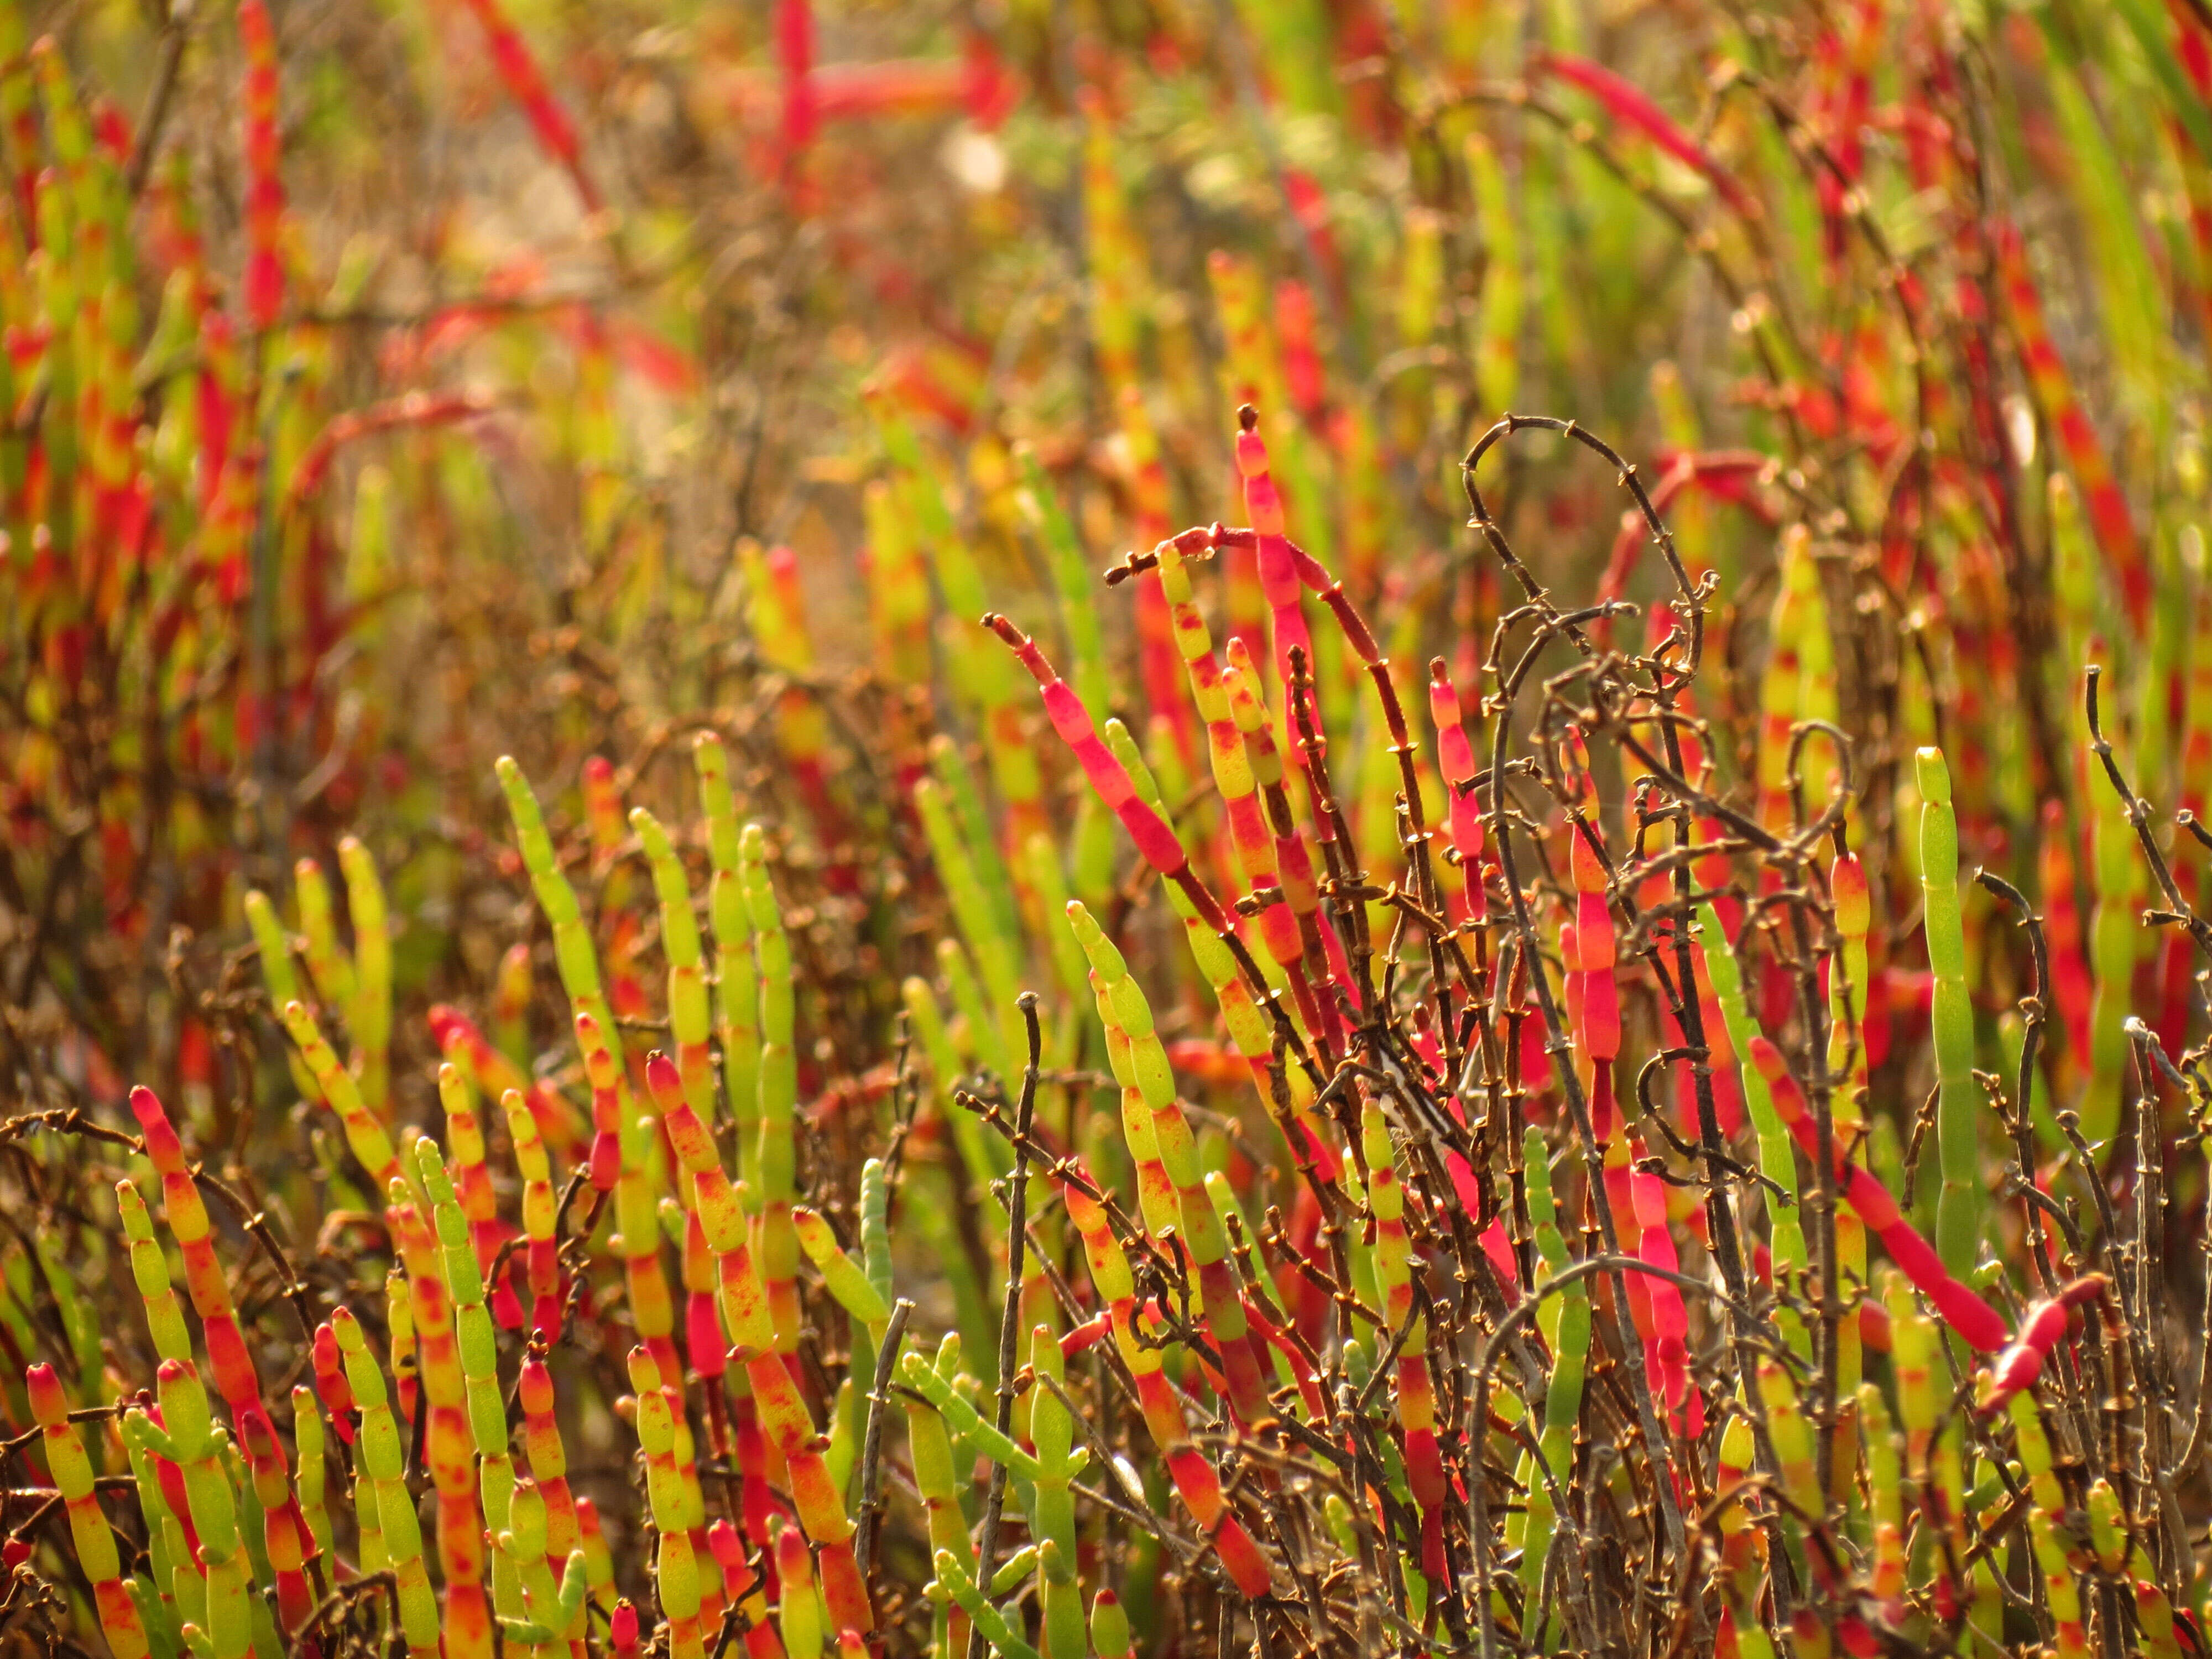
x=1538, y=1035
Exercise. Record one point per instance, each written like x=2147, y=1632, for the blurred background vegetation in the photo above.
x=391, y=386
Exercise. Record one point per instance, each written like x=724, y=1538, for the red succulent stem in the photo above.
x=264, y=184
x=2044, y=1326
x=1155, y=839
x=525, y=84
x=1974, y=1320
x=1630, y=105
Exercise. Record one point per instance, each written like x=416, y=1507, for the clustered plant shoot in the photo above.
x=1167, y=827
